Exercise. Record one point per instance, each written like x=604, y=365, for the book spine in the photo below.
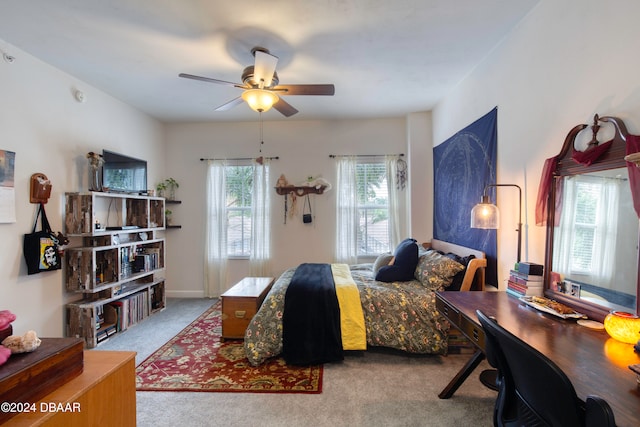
x=524, y=290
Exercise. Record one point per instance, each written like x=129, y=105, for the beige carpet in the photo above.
x=378, y=388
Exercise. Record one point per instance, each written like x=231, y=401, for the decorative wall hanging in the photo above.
x=317, y=185
x=463, y=165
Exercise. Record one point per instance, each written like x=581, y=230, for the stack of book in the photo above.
x=526, y=280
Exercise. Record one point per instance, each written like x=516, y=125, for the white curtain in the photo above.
x=606, y=231
x=260, y=220
x=397, y=223
x=606, y=224
x=346, y=211
x=216, y=230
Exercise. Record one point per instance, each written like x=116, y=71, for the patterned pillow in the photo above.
x=436, y=271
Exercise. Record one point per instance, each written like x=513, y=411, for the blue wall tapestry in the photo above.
x=463, y=165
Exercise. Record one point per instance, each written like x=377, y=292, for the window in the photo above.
x=239, y=186
x=373, y=209
x=588, y=195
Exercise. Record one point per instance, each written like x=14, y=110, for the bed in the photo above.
x=397, y=314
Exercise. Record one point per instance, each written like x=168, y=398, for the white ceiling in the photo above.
x=386, y=59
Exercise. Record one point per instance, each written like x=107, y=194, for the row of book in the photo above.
x=117, y=316
x=136, y=259
x=148, y=260
x=526, y=280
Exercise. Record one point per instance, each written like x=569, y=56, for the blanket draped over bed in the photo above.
x=311, y=317
x=321, y=314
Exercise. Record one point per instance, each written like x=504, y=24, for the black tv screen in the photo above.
x=123, y=174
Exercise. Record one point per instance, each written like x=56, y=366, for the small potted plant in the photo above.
x=171, y=185
x=167, y=216
x=161, y=187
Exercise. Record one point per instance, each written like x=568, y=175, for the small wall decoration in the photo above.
x=7, y=186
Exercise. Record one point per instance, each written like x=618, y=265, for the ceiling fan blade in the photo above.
x=210, y=80
x=265, y=66
x=284, y=108
x=229, y=105
x=322, y=89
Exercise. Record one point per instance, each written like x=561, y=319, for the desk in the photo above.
x=588, y=357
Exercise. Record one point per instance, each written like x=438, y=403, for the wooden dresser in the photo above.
x=103, y=395
x=241, y=303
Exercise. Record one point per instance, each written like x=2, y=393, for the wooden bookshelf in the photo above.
x=115, y=262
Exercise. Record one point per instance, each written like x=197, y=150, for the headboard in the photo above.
x=474, y=276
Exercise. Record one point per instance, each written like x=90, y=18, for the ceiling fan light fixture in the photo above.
x=260, y=100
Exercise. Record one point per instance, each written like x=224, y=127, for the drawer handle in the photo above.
x=241, y=313
x=476, y=335
x=445, y=310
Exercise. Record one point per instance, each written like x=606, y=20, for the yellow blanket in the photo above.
x=354, y=334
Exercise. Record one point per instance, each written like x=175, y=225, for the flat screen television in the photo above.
x=123, y=174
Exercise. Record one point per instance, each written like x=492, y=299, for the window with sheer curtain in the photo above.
x=368, y=210
x=238, y=220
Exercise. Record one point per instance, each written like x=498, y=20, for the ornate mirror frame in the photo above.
x=612, y=158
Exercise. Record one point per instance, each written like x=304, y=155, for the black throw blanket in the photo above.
x=311, y=319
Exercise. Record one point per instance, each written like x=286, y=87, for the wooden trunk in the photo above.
x=241, y=303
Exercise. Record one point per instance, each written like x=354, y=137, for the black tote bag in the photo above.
x=41, y=248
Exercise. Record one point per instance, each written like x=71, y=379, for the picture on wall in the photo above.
x=7, y=186
x=463, y=165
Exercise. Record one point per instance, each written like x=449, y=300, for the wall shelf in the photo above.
x=299, y=191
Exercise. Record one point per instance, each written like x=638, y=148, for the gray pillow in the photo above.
x=382, y=260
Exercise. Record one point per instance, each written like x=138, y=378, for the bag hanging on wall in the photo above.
x=306, y=217
x=41, y=248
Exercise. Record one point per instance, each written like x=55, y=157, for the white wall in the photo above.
x=566, y=61
x=51, y=132
x=304, y=148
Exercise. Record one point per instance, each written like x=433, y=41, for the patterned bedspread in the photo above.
x=399, y=315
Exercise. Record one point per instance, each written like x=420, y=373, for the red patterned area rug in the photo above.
x=196, y=360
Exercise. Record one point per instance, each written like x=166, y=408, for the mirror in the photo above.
x=595, y=248
x=593, y=230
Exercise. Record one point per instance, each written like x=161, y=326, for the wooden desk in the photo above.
x=103, y=395
x=595, y=363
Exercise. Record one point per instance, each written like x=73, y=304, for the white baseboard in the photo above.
x=185, y=294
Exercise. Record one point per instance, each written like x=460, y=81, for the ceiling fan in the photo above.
x=261, y=88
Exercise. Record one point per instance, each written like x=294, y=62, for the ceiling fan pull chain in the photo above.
x=261, y=133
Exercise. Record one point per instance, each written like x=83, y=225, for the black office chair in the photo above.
x=533, y=391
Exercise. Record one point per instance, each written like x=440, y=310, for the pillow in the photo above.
x=456, y=282
x=436, y=271
x=404, y=265
x=382, y=260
